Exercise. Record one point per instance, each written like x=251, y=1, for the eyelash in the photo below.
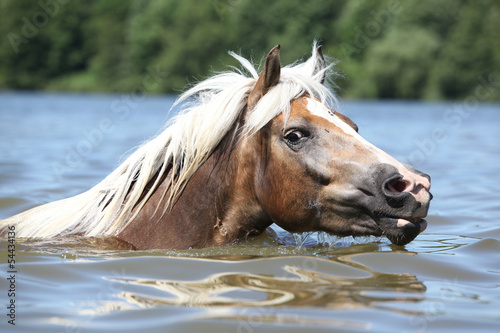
x=294, y=136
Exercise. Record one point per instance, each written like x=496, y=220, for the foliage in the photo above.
x=387, y=48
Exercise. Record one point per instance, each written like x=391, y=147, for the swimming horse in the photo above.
x=247, y=150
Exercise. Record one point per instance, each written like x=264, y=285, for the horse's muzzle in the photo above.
x=401, y=231
x=400, y=200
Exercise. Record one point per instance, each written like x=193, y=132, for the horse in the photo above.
x=245, y=151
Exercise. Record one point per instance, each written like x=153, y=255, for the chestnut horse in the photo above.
x=245, y=152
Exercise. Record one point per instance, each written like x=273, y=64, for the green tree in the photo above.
x=387, y=48
x=471, y=51
x=41, y=42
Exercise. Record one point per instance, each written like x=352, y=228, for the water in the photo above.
x=57, y=145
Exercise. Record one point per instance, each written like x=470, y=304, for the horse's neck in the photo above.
x=216, y=207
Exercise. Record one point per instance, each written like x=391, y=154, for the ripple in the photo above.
x=294, y=286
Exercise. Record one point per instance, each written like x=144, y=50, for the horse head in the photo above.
x=315, y=172
x=244, y=153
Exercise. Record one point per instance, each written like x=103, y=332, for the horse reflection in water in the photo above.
x=246, y=151
x=299, y=286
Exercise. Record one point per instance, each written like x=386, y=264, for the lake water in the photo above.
x=448, y=279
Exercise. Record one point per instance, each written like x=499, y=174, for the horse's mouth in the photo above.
x=401, y=231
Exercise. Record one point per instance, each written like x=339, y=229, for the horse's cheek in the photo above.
x=290, y=196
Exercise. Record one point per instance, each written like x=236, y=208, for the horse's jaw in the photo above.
x=401, y=231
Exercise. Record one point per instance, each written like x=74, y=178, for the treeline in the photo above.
x=421, y=49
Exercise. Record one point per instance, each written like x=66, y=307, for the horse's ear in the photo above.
x=320, y=64
x=269, y=77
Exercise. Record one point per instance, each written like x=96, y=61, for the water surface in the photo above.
x=56, y=145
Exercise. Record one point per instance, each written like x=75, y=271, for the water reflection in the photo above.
x=297, y=287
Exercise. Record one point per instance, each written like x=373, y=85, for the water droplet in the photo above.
x=301, y=238
x=68, y=254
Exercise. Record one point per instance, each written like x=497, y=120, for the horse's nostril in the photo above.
x=397, y=185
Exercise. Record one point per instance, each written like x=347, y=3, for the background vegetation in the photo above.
x=421, y=49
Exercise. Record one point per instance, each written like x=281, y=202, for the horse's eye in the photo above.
x=295, y=136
